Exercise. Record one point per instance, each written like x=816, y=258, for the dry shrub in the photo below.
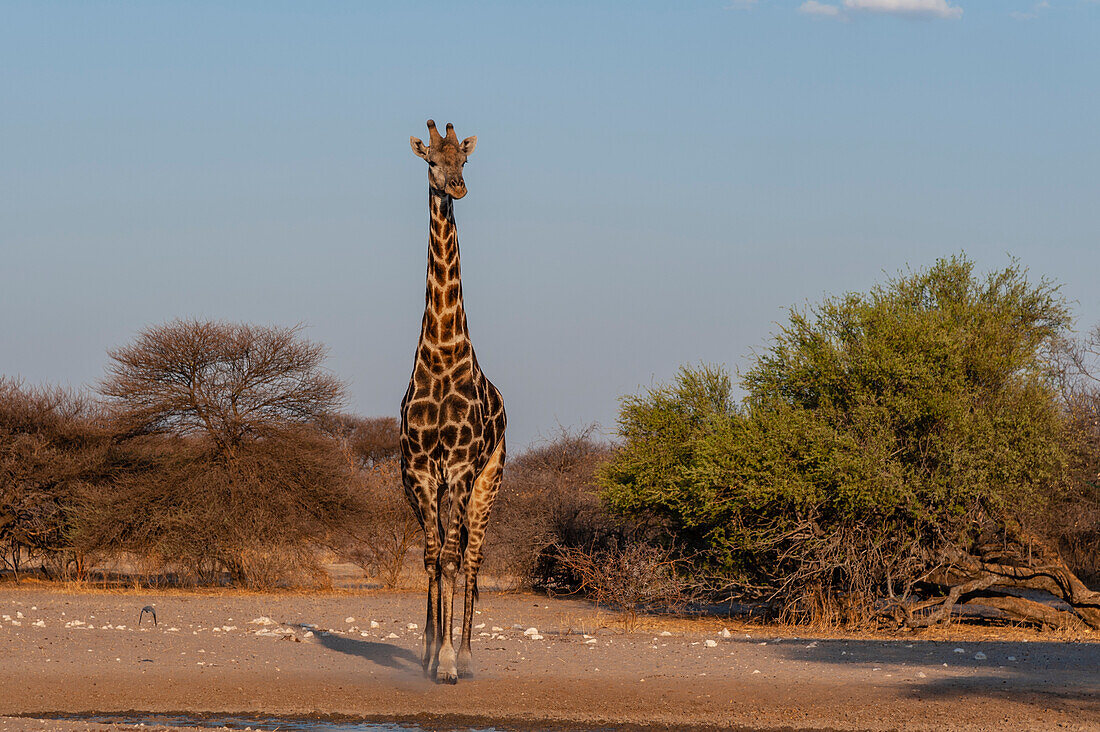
x=253, y=521
x=381, y=535
x=52, y=443
x=636, y=578
x=1075, y=519
x=547, y=500
x=366, y=441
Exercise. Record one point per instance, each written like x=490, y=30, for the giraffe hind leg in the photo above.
x=477, y=519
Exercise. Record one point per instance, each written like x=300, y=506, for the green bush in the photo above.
x=880, y=434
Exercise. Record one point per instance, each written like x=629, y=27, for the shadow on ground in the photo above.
x=1051, y=675
x=382, y=654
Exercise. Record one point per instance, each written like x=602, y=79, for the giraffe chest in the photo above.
x=443, y=415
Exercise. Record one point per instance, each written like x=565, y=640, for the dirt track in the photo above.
x=205, y=655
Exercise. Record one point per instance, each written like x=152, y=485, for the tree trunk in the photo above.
x=1022, y=563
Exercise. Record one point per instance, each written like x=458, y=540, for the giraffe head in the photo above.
x=445, y=156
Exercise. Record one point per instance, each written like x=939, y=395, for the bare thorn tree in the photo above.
x=242, y=472
x=232, y=382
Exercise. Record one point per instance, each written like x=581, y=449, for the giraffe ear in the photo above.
x=468, y=145
x=418, y=148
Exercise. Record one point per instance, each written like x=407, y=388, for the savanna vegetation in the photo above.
x=927, y=444
x=890, y=457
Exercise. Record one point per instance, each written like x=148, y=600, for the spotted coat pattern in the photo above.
x=452, y=437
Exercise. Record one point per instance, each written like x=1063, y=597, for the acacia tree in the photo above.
x=230, y=382
x=230, y=465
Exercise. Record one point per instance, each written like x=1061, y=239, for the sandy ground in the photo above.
x=83, y=652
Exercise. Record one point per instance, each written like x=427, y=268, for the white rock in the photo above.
x=586, y=635
x=812, y=645
x=16, y=623
x=479, y=626
x=486, y=635
x=725, y=633
x=39, y=623
x=922, y=675
x=308, y=634
x=364, y=633
x=590, y=642
x=1011, y=658
x=496, y=629
x=531, y=631
x=262, y=620
x=375, y=624
x=515, y=626
x=979, y=656
x=711, y=643
x=536, y=636
x=228, y=628
x=756, y=671
x=666, y=634
x=18, y=614
x=349, y=620
x=392, y=635
x=412, y=626
x=960, y=650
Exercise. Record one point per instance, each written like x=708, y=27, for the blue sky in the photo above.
x=654, y=183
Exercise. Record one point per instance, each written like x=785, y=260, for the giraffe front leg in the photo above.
x=421, y=490
x=447, y=671
x=477, y=520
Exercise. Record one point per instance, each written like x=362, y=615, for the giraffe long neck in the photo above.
x=444, y=325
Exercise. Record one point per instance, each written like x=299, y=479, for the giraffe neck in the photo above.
x=444, y=325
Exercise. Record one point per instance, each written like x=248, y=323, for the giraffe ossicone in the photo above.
x=452, y=422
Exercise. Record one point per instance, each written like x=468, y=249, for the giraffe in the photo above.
x=452, y=422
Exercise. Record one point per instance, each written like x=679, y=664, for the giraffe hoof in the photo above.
x=445, y=677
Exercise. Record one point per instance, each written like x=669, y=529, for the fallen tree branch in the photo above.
x=1027, y=611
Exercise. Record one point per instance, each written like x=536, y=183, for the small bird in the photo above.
x=148, y=609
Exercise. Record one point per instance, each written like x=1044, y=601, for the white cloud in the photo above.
x=925, y=8
x=1031, y=14
x=813, y=7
